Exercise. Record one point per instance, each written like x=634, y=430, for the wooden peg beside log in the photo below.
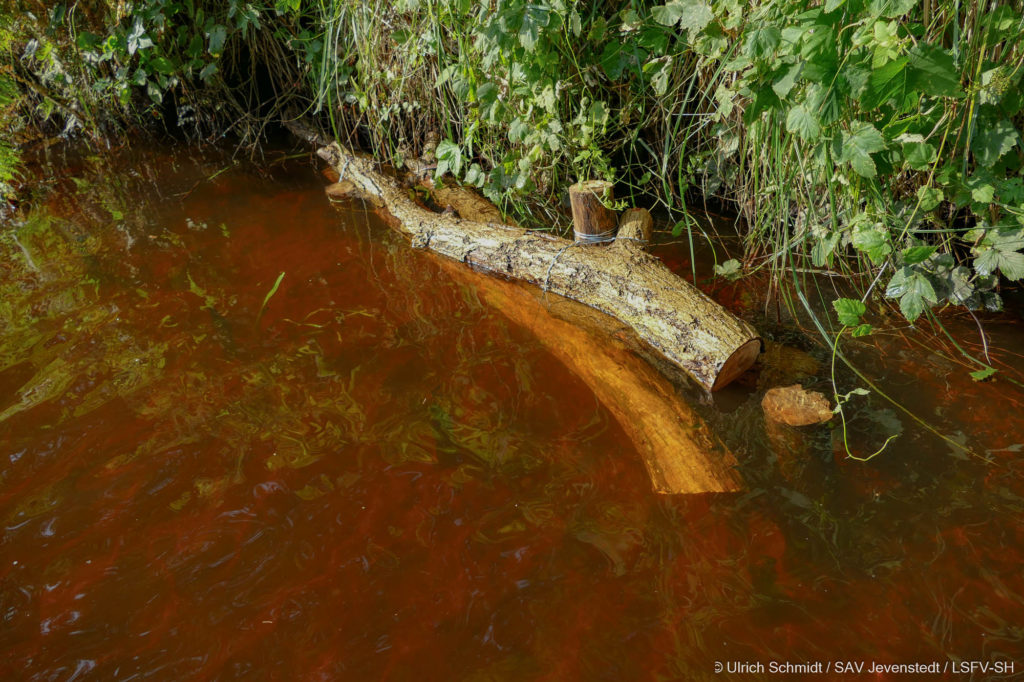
x=592, y=220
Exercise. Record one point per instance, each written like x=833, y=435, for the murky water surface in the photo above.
x=248, y=435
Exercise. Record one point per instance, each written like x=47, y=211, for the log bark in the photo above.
x=674, y=317
x=591, y=219
x=681, y=454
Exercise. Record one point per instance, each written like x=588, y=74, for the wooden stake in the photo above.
x=591, y=220
x=635, y=225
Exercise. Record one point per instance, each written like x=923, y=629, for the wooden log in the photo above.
x=681, y=454
x=674, y=317
x=592, y=221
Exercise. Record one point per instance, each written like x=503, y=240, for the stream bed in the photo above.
x=246, y=434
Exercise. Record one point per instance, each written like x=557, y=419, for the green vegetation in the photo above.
x=875, y=138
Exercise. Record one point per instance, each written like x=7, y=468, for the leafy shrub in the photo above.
x=877, y=137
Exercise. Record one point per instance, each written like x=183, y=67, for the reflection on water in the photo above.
x=367, y=473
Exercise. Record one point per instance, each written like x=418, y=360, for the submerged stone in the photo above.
x=796, y=406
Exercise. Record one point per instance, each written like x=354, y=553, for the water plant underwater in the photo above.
x=874, y=140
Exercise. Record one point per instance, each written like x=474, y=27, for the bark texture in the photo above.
x=624, y=281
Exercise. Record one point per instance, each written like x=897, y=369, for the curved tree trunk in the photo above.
x=624, y=281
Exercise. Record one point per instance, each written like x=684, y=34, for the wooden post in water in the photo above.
x=636, y=225
x=592, y=221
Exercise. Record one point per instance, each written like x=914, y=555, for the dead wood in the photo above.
x=624, y=281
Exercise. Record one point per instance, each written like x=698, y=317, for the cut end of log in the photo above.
x=636, y=225
x=740, y=361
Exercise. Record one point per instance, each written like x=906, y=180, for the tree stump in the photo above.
x=592, y=221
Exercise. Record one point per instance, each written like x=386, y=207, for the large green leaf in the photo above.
x=930, y=197
x=863, y=140
x=872, y=241
x=891, y=8
x=217, y=35
x=785, y=79
x=696, y=16
x=886, y=83
x=762, y=41
x=918, y=254
x=803, y=123
x=668, y=14
x=919, y=155
x=1010, y=264
x=849, y=311
x=1000, y=249
x=914, y=291
x=161, y=65
x=820, y=52
x=931, y=70
x=992, y=140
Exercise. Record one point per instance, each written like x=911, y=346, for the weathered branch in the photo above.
x=673, y=316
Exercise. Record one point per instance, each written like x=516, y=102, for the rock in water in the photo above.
x=795, y=406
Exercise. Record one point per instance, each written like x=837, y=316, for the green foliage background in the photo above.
x=877, y=138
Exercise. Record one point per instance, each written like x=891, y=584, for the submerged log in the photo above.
x=673, y=316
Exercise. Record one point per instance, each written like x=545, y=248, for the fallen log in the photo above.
x=624, y=281
x=681, y=454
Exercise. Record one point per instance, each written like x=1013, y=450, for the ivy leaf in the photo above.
x=803, y=123
x=994, y=140
x=849, y=311
x=822, y=251
x=914, y=291
x=862, y=141
x=529, y=31
x=983, y=193
x=618, y=56
x=691, y=15
x=931, y=70
x=518, y=130
x=930, y=197
x=449, y=156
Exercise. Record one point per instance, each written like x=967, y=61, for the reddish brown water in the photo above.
x=376, y=477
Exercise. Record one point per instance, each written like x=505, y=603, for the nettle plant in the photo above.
x=889, y=129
